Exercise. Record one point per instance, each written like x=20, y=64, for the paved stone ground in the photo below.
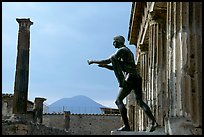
x=158, y=131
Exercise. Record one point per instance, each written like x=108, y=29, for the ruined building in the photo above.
x=168, y=41
x=7, y=105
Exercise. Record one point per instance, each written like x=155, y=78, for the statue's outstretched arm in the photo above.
x=106, y=66
x=100, y=62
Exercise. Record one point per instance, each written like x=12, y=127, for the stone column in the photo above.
x=22, y=67
x=156, y=43
x=194, y=66
x=38, y=110
x=184, y=48
x=66, y=120
x=143, y=73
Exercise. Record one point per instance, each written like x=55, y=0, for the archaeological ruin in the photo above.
x=168, y=41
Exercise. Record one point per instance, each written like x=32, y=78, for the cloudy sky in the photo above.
x=64, y=35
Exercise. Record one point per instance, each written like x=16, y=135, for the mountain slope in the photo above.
x=78, y=104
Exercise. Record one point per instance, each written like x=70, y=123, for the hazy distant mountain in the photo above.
x=77, y=105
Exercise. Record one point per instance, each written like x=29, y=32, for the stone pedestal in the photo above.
x=158, y=131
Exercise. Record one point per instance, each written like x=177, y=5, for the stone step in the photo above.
x=158, y=131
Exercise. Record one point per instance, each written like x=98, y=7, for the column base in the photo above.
x=180, y=126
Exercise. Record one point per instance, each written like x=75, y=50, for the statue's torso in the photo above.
x=126, y=58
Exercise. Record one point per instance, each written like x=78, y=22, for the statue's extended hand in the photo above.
x=90, y=62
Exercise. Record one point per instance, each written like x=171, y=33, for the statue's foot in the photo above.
x=124, y=128
x=153, y=127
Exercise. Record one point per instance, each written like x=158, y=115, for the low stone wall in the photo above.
x=85, y=124
x=19, y=128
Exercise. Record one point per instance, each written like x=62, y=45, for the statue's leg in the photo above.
x=142, y=104
x=123, y=92
x=118, y=71
x=148, y=112
x=146, y=109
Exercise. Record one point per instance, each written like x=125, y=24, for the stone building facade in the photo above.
x=168, y=40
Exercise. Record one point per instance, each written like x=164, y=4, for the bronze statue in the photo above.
x=123, y=65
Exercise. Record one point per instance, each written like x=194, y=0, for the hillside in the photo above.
x=78, y=105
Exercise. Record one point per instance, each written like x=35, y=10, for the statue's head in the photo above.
x=118, y=41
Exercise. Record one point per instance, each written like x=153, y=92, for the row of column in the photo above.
x=151, y=69
x=171, y=65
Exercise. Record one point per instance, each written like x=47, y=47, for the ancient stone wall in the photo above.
x=81, y=124
x=85, y=124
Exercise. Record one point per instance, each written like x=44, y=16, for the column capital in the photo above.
x=157, y=16
x=24, y=23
